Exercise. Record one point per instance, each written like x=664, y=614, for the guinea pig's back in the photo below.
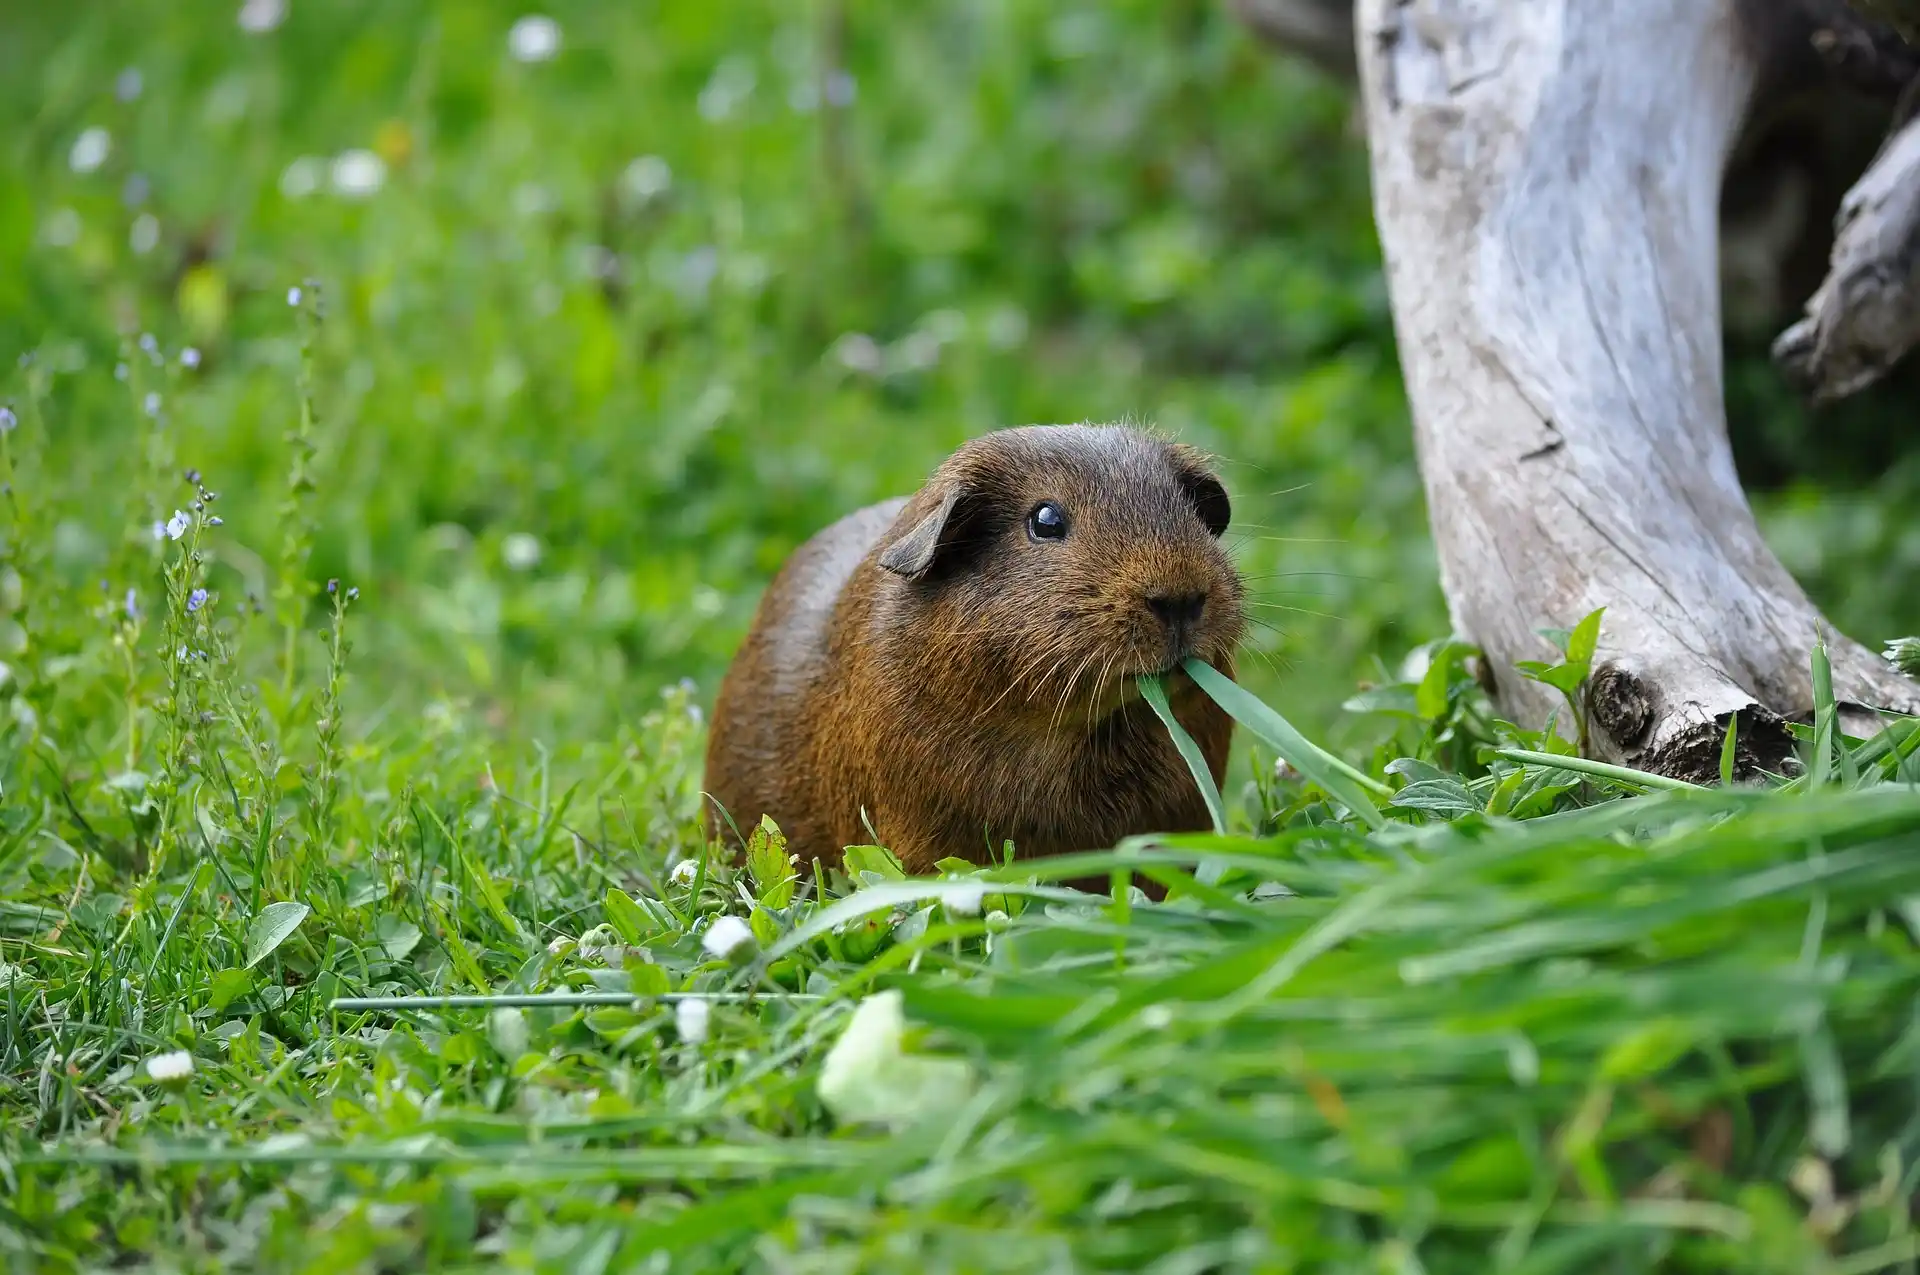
x=759, y=759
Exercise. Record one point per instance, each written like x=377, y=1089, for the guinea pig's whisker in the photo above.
x=1066, y=690
x=1281, y=606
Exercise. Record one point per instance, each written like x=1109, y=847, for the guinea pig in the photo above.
x=956, y=669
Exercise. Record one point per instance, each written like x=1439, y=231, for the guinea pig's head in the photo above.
x=1065, y=558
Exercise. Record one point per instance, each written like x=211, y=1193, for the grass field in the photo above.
x=405, y=403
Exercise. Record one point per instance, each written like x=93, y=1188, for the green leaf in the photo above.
x=228, y=987
x=1727, y=746
x=644, y=978
x=1583, y=642
x=271, y=928
x=767, y=864
x=1156, y=696
x=1447, y=797
x=1334, y=776
x=1430, y=699
x=634, y=922
x=1647, y=1051
x=396, y=935
x=875, y=859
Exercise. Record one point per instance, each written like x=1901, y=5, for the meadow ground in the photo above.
x=403, y=406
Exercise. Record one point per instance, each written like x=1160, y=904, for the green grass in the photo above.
x=1440, y=998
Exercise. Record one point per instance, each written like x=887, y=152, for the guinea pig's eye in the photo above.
x=1047, y=522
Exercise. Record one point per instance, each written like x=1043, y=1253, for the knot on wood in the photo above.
x=1619, y=704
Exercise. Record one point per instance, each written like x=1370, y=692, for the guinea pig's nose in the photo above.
x=1177, y=610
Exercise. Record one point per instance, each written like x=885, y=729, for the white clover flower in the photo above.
x=145, y=234
x=177, y=525
x=534, y=38
x=964, y=901
x=257, y=17
x=521, y=551
x=169, y=1067
x=691, y=1019
x=727, y=938
x=685, y=872
x=90, y=150
x=357, y=174
x=646, y=179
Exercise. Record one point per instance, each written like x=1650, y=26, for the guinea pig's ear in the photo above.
x=1208, y=496
x=917, y=549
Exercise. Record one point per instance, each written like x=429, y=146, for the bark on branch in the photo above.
x=1546, y=183
x=1866, y=315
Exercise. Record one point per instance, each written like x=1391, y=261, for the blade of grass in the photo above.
x=1156, y=696
x=545, y=1000
x=1598, y=770
x=1333, y=775
x=1820, y=765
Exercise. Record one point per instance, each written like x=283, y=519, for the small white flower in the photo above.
x=685, y=872
x=691, y=1018
x=356, y=174
x=177, y=525
x=840, y=89
x=858, y=352
x=293, y=296
x=534, y=38
x=964, y=901
x=919, y=351
x=646, y=179
x=90, y=150
x=521, y=551
x=727, y=937
x=177, y=1065
x=189, y=358
x=1156, y=1018
x=145, y=235
x=257, y=17
x=151, y=404
x=303, y=176
x=127, y=85
x=8, y=420
x=731, y=85
x=159, y=531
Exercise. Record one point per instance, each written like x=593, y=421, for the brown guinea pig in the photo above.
x=957, y=669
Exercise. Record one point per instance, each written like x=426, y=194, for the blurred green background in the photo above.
x=623, y=304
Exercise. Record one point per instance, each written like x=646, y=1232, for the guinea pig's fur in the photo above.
x=943, y=665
